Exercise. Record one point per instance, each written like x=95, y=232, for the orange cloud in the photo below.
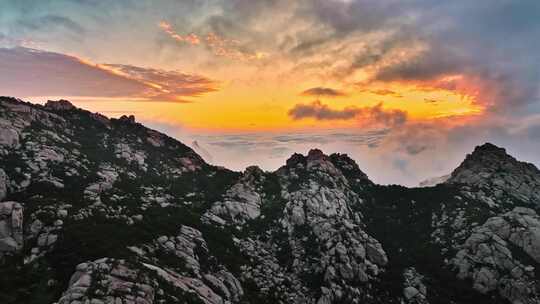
x=165, y=85
x=220, y=46
x=191, y=38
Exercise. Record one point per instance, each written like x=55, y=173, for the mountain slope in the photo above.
x=98, y=210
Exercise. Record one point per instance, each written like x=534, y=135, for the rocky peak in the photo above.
x=316, y=154
x=486, y=157
x=489, y=148
x=127, y=119
x=315, y=157
x=253, y=175
x=336, y=169
x=490, y=167
x=59, y=105
x=295, y=159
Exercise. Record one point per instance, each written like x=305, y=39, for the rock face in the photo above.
x=11, y=228
x=487, y=256
x=118, y=213
x=211, y=284
x=414, y=290
x=242, y=202
x=3, y=184
x=109, y=281
x=324, y=237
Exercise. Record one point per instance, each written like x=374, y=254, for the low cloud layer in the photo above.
x=30, y=72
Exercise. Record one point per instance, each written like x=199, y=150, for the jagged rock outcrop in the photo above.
x=3, y=184
x=489, y=256
x=325, y=238
x=214, y=284
x=242, y=202
x=11, y=228
x=59, y=105
x=491, y=234
x=109, y=281
x=414, y=290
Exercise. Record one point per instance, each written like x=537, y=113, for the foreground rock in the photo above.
x=488, y=257
x=11, y=228
x=117, y=213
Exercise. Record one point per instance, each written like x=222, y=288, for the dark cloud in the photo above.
x=366, y=116
x=377, y=115
x=493, y=46
x=30, y=72
x=495, y=42
x=386, y=92
x=320, y=111
x=323, y=92
x=414, y=149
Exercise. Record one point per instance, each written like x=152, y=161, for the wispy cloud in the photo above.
x=166, y=85
x=220, y=46
x=384, y=92
x=31, y=72
x=190, y=38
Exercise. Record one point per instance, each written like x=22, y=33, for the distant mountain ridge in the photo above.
x=98, y=210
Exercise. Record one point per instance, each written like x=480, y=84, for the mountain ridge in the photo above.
x=105, y=210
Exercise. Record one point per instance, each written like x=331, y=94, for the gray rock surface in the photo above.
x=11, y=228
x=109, y=281
x=4, y=181
x=414, y=290
x=242, y=202
x=317, y=215
x=489, y=258
x=215, y=285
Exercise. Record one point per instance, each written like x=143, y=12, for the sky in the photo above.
x=406, y=88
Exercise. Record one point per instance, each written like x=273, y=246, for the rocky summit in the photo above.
x=97, y=210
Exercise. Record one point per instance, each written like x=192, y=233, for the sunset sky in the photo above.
x=406, y=88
